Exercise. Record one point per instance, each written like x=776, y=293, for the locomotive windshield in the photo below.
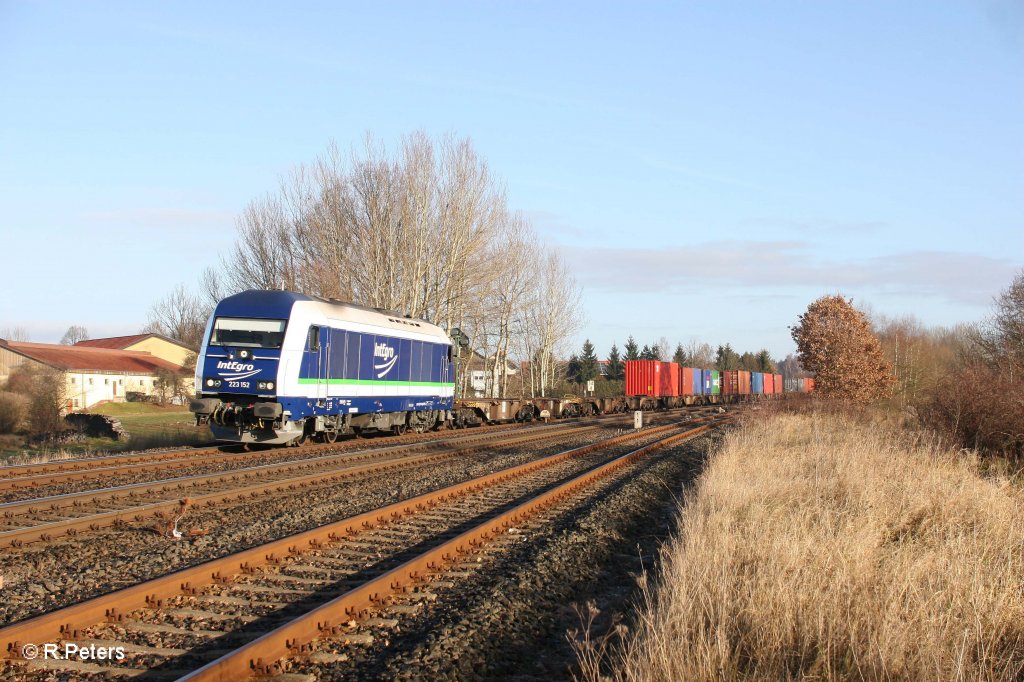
x=234, y=331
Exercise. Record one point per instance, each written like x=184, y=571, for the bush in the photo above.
x=13, y=409
x=43, y=391
x=978, y=407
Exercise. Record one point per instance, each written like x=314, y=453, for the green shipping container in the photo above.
x=712, y=382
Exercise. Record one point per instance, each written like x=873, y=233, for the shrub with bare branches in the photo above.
x=43, y=389
x=979, y=401
x=13, y=410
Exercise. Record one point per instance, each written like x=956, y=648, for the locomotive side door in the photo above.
x=324, y=374
x=318, y=357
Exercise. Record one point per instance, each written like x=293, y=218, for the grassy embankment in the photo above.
x=818, y=547
x=150, y=426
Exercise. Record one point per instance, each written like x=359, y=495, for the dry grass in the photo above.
x=818, y=547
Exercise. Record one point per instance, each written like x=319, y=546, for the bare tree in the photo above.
x=791, y=368
x=699, y=353
x=552, y=315
x=15, y=334
x=74, y=334
x=665, y=349
x=425, y=231
x=1001, y=337
x=181, y=316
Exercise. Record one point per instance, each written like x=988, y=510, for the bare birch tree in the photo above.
x=553, y=315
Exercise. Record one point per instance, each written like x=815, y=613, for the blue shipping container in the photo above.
x=757, y=383
x=698, y=380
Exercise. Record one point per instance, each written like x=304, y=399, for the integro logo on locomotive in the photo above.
x=387, y=354
x=235, y=366
x=235, y=370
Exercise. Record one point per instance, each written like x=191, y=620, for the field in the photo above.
x=816, y=546
x=150, y=426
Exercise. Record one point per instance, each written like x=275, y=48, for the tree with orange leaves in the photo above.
x=835, y=341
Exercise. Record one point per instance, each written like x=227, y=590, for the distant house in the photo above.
x=91, y=374
x=480, y=374
x=159, y=345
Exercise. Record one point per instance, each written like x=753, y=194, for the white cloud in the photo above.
x=773, y=265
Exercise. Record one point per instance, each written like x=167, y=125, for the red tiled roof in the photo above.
x=122, y=342
x=86, y=358
x=115, y=342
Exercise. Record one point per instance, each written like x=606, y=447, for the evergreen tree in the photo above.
x=680, y=357
x=726, y=358
x=764, y=362
x=572, y=370
x=749, y=362
x=645, y=354
x=631, y=351
x=615, y=369
x=655, y=352
x=588, y=363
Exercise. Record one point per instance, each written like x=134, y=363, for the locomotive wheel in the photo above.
x=330, y=436
x=398, y=429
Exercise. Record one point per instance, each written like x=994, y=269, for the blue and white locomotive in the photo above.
x=279, y=367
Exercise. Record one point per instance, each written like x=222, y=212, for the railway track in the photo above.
x=28, y=478
x=271, y=602
x=48, y=518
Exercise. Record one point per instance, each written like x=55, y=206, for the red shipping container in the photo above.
x=669, y=379
x=779, y=386
x=769, y=384
x=730, y=382
x=810, y=385
x=686, y=381
x=652, y=378
x=744, y=382
x=642, y=377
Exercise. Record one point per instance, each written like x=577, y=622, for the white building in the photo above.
x=91, y=374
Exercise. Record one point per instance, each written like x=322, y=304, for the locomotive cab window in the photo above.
x=233, y=331
x=313, y=339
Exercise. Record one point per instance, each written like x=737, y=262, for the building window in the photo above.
x=90, y=381
x=72, y=381
x=106, y=382
x=120, y=382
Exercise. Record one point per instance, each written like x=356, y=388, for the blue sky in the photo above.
x=707, y=169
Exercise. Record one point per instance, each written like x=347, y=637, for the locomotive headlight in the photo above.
x=262, y=385
x=270, y=385
x=244, y=354
x=213, y=383
x=209, y=383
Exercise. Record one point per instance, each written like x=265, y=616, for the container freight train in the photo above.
x=278, y=367
x=659, y=384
